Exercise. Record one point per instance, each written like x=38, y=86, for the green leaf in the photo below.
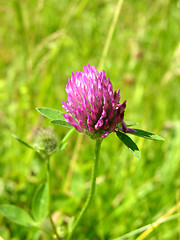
x=55, y=115
x=21, y=141
x=40, y=202
x=17, y=215
x=51, y=113
x=62, y=123
x=129, y=143
x=148, y=135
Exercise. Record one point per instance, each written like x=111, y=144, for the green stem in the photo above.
x=92, y=189
x=49, y=199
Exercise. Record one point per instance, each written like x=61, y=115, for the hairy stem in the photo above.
x=92, y=189
x=49, y=199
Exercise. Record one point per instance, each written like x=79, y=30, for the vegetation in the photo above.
x=41, y=43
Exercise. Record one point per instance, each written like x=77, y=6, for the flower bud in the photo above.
x=46, y=143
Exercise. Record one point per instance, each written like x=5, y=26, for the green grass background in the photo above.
x=41, y=43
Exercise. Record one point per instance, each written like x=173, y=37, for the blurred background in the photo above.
x=41, y=43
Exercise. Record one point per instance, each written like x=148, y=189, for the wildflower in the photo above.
x=92, y=105
x=46, y=142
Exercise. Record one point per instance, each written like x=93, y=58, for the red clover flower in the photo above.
x=94, y=109
x=92, y=106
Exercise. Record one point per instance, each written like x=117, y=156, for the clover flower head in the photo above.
x=92, y=106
